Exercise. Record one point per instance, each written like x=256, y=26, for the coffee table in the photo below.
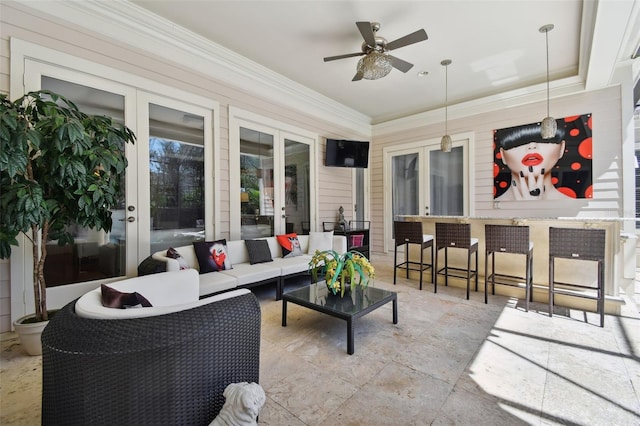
x=354, y=305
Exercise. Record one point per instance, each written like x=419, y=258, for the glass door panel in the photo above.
x=405, y=184
x=176, y=177
x=94, y=254
x=256, y=184
x=446, y=182
x=296, y=186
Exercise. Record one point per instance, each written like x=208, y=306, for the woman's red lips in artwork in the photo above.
x=532, y=159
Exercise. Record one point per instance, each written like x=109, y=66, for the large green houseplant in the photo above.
x=58, y=166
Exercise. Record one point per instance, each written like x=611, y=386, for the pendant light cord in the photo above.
x=446, y=99
x=546, y=33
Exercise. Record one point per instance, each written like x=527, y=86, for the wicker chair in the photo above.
x=577, y=244
x=406, y=233
x=510, y=239
x=165, y=369
x=456, y=236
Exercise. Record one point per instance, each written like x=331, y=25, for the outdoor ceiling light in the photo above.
x=446, y=142
x=549, y=126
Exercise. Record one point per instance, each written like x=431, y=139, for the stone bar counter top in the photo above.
x=620, y=260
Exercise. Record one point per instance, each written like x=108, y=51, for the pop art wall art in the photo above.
x=527, y=167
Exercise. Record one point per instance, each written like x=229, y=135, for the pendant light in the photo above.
x=549, y=126
x=445, y=142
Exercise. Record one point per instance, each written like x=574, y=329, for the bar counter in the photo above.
x=619, y=265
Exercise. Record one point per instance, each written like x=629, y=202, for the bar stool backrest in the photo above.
x=407, y=232
x=573, y=243
x=453, y=235
x=506, y=238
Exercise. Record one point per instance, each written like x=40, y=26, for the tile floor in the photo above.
x=447, y=361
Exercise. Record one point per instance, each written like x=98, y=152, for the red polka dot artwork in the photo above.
x=529, y=167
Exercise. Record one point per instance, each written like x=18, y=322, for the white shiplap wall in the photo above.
x=604, y=104
x=334, y=186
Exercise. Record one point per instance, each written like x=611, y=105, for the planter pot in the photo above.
x=29, y=334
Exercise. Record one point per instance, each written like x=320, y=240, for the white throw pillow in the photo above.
x=320, y=241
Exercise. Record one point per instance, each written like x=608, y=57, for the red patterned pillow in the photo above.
x=290, y=245
x=212, y=255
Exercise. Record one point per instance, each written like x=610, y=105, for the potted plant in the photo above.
x=58, y=166
x=341, y=271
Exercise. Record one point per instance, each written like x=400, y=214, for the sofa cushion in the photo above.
x=112, y=298
x=290, y=244
x=259, y=251
x=292, y=265
x=212, y=255
x=216, y=282
x=320, y=241
x=246, y=273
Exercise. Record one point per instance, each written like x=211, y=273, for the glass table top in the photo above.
x=353, y=302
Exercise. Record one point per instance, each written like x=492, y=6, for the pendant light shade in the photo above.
x=446, y=142
x=549, y=126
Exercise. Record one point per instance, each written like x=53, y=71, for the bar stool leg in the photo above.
x=421, y=263
x=395, y=263
x=475, y=269
x=601, y=292
x=469, y=272
x=551, y=260
x=446, y=268
x=486, y=274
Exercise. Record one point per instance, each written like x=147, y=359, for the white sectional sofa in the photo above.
x=244, y=274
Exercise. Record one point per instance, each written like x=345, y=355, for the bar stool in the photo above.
x=411, y=233
x=456, y=235
x=577, y=244
x=513, y=240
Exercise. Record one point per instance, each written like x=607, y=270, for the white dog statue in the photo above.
x=242, y=405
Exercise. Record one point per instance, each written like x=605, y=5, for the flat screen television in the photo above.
x=345, y=153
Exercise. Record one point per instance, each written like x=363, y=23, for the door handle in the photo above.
x=129, y=219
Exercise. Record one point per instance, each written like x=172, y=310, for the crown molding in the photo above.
x=132, y=25
x=511, y=99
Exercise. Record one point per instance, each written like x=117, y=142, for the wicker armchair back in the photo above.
x=166, y=369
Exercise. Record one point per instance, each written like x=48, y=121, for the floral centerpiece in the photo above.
x=341, y=271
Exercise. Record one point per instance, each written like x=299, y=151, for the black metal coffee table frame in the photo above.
x=356, y=305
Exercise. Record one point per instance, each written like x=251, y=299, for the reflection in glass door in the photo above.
x=446, y=189
x=256, y=184
x=94, y=254
x=405, y=189
x=176, y=180
x=296, y=186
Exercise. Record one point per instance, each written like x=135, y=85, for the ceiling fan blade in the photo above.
x=367, y=33
x=415, y=37
x=358, y=76
x=399, y=64
x=348, y=55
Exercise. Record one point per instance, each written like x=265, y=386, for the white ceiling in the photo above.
x=495, y=45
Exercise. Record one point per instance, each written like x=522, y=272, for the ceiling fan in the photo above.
x=377, y=62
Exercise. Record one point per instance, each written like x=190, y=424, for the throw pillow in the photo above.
x=212, y=255
x=112, y=298
x=173, y=254
x=151, y=266
x=320, y=241
x=290, y=245
x=258, y=251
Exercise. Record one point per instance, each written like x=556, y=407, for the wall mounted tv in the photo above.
x=344, y=153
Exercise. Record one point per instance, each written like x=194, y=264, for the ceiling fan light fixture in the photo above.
x=549, y=125
x=374, y=65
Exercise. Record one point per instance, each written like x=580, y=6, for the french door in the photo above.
x=167, y=188
x=270, y=180
x=423, y=180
